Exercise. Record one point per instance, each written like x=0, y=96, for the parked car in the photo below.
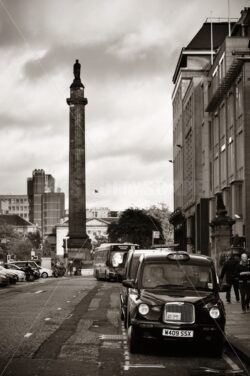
x=4, y=280
x=131, y=267
x=22, y=265
x=175, y=299
x=20, y=273
x=10, y=274
x=44, y=272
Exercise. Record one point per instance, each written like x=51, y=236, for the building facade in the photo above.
x=15, y=204
x=46, y=207
x=211, y=131
x=95, y=228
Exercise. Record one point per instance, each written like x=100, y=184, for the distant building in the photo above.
x=95, y=228
x=52, y=211
x=100, y=212
x=15, y=204
x=46, y=207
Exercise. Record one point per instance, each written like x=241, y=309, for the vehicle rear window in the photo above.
x=177, y=275
x=118, y=258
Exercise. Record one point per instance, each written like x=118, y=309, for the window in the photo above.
x=239, y=98
x=210, y=135
x=230, y=156
x=238, y=199
x=239, y=150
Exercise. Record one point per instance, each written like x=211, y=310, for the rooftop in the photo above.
x=14, y=220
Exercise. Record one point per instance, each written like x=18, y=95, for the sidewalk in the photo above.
x=237, y=327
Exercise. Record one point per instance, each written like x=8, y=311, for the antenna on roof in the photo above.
x=212, y=47
x=229, y=23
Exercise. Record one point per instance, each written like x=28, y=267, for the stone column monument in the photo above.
x=78, y=241
x=221, y=233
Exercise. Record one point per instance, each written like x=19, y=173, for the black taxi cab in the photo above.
x=175, y=298
x=130, y=271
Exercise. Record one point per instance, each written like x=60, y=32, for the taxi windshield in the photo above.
x=177, y=276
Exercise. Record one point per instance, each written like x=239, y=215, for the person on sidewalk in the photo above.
x=243, y=273
x=229, y=270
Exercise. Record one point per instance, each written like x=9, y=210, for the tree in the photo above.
x=162, y=213
x=8, y=237
x=35, y=239
x=17, y=244
x=135, y=226
x=22, y=249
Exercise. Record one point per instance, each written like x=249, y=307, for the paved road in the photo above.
x=71, y=326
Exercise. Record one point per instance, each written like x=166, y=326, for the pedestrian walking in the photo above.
x=29, y=273
x=229, y=270
x=243, y=273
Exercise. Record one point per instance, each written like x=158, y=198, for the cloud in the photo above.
x=128, y=51
x=100, y=61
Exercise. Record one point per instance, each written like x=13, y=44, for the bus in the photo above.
x=109, y=260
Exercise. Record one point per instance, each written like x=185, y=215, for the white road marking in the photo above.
x=39, y=291
x=47, y=319
x=68, y=301
x=27, y=335
x=231, y=363
x=59, y=309
x=128, y=366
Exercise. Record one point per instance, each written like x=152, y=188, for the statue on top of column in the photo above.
x=77, y=75
x=77, y=70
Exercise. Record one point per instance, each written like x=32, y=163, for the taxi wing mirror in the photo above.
x=129, y=283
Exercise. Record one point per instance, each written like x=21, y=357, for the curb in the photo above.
x=239, y=348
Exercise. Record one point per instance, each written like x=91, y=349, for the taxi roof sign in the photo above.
x=178, y=256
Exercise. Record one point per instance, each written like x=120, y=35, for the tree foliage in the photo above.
x=135, y=226
x=35, y=239
x=162, y=213
x=16, y=243
x=21, y=248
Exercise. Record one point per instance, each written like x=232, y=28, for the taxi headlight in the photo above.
x=214, y=312
x=143, y=309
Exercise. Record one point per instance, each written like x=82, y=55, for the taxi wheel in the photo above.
x=217, y=349
x=133, y=340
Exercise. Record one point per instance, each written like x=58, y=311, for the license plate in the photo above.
x=178, y=333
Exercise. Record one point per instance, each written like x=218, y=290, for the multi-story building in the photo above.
x=211, y=131
x=46, y=207
x=97, y=212
x=100, y=212
x=52, y=210
x=15, y=204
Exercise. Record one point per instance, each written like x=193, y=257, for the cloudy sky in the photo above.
x=128, y=50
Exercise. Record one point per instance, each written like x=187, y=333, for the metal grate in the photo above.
x=179, y=313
